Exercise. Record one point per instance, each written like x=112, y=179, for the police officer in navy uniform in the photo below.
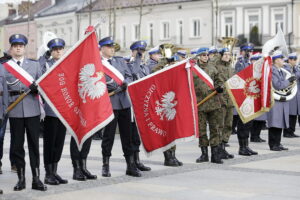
x=25, y=116
x=121, y=107
x=138, y=70
x=55, y=131
x=278, y=117
x=294, y=103
x=154, y=56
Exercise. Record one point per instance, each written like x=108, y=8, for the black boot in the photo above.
x=105, y=167
x=169, y=161
x=57, y=177
x=132, y=170
x=174, y=157
x=223, y=153
x=21, y=183
x=248, y=148
x=243, y=150
x=215, y=155
x=204, y=155
x=37, y=184
x=77, y=174
x=86, y=172
x=49, y=177
x=138, y=163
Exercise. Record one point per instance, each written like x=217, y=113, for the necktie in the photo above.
x=109, y=60
x=19, y=63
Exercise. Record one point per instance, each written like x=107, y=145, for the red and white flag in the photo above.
x=75, y=88
x=164, y=107
x=202, y=75
x=250, y=89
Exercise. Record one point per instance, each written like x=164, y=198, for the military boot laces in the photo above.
x=169, y=160
x=105, y=167
x=138, y=163
x=132, y=170
x=77, y=173
x=49, y=177
x=204, y=155
x=215, y=155
x=58, y=177
x=21, y=182
x=37, y=184
x=86, y=172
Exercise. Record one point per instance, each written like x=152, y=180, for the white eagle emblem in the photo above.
x=166, y=109
x=90, y=84
x=253, y=87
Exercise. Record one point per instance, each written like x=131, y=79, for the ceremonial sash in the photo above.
x=112, y=72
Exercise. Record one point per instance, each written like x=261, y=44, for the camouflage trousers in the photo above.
x=210, y=118
x=225, y=121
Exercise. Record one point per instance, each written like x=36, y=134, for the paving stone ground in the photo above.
x=269, y=175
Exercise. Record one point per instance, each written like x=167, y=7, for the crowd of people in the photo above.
x=217, y=113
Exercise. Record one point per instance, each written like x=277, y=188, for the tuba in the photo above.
x=230, y=42
x=167, y=51
x=287, y=93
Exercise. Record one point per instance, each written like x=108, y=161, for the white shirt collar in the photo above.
x=21, y=60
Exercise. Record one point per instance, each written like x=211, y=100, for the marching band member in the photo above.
x=154, y=55
x=293, y=68
x=278, y=117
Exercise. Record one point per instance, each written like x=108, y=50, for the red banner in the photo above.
x=75, y=88
x=164, y=107
x=250, y=89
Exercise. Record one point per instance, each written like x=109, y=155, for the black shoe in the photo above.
x=86, y=172
x=58, y=177
x=283, y=148
x=132, y=170
x=169, y=161
x=21, y=182
x=174, y=157
x=248, y=148
x=105, y=167
x=49, y=177
x=215, y=155
x=37, y=184
x=77, y=173
x=204, y=155
x=294, y=135
x=243, y=151
x=138, y=163
x=14, y=169
x=288, y=135
x=275, y=148
x=257, y=140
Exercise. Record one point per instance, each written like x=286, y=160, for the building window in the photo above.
x=165, y=30
x=196, y=28
x=228, y=27
x=278, y=19
x=123, y=36
x=227, y=23
x=136, y=32
x=179, y=32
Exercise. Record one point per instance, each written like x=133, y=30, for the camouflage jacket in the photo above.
x=202, y=90
x=226, y=72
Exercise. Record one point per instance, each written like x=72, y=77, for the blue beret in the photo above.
x=256, y=56
x=248, y=46
x=223, y=50
x=138, y=45
x=109, y=41
x=212, y=50
x=194, y=51
x=181, y=53
x=57, y=42
x=18, y=38
x=202, y=50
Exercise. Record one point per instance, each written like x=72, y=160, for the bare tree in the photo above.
x=140, y=4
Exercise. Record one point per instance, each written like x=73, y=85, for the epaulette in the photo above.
x=32, y=60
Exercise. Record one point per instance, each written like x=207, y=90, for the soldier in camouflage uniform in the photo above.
x=223, y=66
x=209, y=111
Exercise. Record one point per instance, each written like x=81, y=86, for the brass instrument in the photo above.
x=230, y=42
x=287, y=93
x=167, y=51
x=117, y=47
